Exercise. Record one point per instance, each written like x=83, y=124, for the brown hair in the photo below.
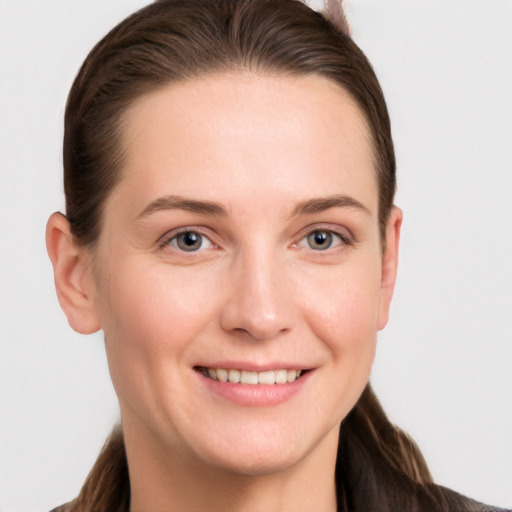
x=378, y=466
x=171, y=41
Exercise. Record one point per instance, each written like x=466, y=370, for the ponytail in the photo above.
x=107, y=487
x=380, y=467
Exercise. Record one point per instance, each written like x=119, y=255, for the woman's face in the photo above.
x=243, y=242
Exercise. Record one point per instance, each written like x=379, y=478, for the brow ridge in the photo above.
x=173, y=202
x=308, y=207
x=320, y=204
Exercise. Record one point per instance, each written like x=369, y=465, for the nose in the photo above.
x=259, y=303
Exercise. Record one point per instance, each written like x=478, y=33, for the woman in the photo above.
x=229, y=179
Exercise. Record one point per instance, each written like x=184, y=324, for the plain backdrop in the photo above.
x=443, y=363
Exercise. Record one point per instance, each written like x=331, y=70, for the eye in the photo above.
x=189, y=241
x=321, y=240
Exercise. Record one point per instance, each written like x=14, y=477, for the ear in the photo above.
x=389, y=265
x=73, y=276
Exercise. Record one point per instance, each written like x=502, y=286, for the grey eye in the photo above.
x=320, y=240
x=189, y=241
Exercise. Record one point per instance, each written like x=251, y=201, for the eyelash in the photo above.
x=173, y=237
x=173, y=240
x=343, y=240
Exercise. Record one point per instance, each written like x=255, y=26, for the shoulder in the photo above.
x=62, y=508
x=465, y=504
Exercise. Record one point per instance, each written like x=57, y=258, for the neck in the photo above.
x=170, y=482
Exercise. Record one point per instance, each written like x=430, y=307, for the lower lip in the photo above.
x=255, y=395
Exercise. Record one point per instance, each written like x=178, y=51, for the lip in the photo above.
x=250, y=395
x=253, y=366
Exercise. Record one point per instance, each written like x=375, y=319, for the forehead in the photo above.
x=233, y=133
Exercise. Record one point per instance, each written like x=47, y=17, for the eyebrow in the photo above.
x=182, y=203
x=309, y=207
x=320, y=204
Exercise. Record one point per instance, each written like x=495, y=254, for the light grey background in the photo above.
x=443, y=364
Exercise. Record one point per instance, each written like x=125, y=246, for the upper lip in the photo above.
x=254, y=367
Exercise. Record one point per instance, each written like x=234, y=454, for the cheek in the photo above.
x=150, y=315
x=342, y=305
x=147, y=300
x=341, y=309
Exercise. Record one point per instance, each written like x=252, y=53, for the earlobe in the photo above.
x=389, y=265
x=74, y=280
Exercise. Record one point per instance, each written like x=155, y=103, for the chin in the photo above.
x=265, y=451
x=256, y=463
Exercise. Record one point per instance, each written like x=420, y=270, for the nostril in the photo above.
x=259, y=332
x=259, y=310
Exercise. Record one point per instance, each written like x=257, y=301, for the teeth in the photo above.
x=234, y=376
x=249, y=377
x=268, y=377
x=281, y=377
x=291, y=375
x=222, y=375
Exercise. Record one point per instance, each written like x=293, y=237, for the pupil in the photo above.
x=189, y=241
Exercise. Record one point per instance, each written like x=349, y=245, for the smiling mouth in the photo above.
x=268, y=377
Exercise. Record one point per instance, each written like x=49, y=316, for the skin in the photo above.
x=265, y=149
